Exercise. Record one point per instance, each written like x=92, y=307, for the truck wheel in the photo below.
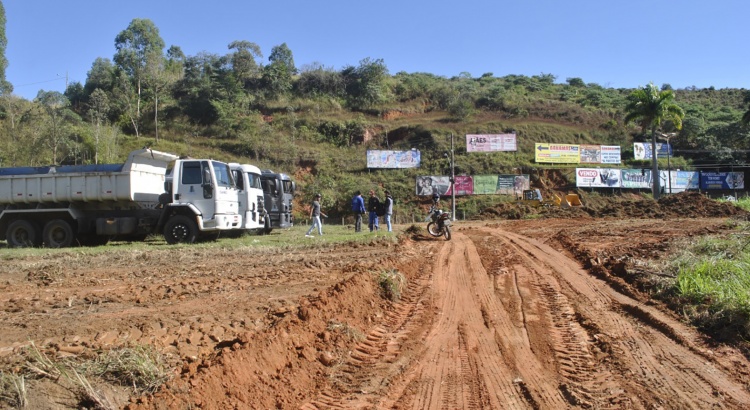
x=23, y=234
x=180, y=229
x=58, y=234
x=266, y=226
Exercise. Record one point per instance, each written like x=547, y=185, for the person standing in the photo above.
x=372, y=207
x=358, y=207
x=388, y=210
x=315, y=214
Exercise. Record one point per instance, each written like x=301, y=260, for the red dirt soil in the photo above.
x=525, y=314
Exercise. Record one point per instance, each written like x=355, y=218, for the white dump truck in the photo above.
x=61, y=206
x=251, y=198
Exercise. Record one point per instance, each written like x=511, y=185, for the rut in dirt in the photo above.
x=505, y=321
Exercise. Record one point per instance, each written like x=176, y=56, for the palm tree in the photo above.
x=649, y=107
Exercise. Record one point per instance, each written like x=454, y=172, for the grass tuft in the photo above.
x=391, y=283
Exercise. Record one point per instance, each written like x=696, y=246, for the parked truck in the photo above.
x=61, y=206
x=278, y=192
x=251, y=198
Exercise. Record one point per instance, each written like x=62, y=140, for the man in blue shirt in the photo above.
x=358, y=207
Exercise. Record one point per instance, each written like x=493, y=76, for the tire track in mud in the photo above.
x=379, y=357
x=645, y=358
x=518, y=325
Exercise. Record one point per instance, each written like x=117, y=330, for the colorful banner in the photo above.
x=491, y=142
x=464, y=185
x=722, y=180
x=557, y=153
x=642, y=150
x=429, y=185
x=393, y=159
x=597, y=178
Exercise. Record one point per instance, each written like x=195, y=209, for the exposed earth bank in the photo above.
x=536, y=314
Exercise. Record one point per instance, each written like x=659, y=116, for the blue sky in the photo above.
x=614, y=43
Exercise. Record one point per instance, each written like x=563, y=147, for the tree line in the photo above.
x=268, y=106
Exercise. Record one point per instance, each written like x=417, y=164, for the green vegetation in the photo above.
x=711, y=284
x=316, y=123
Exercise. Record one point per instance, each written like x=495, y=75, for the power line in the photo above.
x=41, y=82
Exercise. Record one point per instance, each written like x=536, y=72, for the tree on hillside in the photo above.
x=136, y=46
x=160, y=74
x=650, y=108
x=99, y=108
x=243, y=60
x=57, y=108
x=102, y=76
x=5, y=86
x=746, y=115
x=277, y=75
x=366, y=83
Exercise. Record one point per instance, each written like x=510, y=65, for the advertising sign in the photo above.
x=642, y=150
x=681, y=181
x=611, y=154
x=428, y=185
x=512, y=184
x=393, y=159
x=591, y=154
x=635, y=178
x=597, y=178
x=464, y=185
x=485, y=184
x=490, y=142
x=557, y=153
x=722, y=180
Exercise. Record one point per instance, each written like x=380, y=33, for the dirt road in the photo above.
x=526, y=315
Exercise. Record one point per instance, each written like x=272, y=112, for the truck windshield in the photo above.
x=223, y=174
x=253, y=180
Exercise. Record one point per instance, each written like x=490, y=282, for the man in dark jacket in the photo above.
x=372, y=207
x=358, y=207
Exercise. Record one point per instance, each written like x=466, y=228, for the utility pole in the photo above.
x=453, y=182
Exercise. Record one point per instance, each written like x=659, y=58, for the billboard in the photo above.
x=429, y=185
x=557, y=153
x=597, y=178
x=393, y=159
x=491, y=142
x=642, y=150
x=635, y=178
x=509, y=184
x=611, y=154
x=722, y=180
x=679, y=181
x=464, y=185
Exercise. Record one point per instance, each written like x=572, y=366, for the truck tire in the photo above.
x=58, y=234
x=180, y=229
x=266, y=226
x=23, y=234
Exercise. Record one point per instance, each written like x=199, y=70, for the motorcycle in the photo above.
x=439, y=223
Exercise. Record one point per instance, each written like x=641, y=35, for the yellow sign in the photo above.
x=557, y=153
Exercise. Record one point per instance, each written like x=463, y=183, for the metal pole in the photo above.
x=669, y=167
x=453, y=183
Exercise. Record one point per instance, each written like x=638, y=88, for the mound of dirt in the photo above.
x=682, y=205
